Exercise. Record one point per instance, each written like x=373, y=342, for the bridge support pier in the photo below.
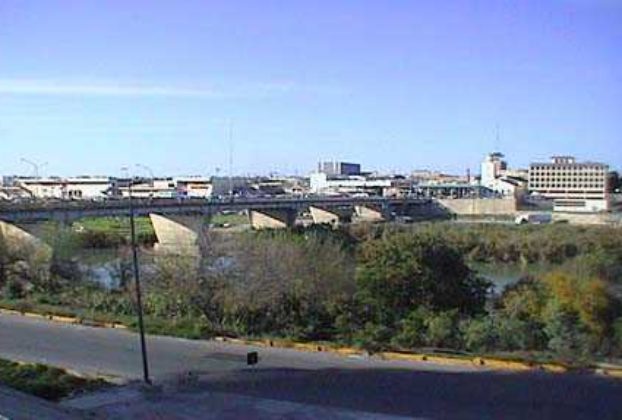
x=177, y=234
x=333, y=217
x=19, y=241
x=369, y=213
x=272, y=218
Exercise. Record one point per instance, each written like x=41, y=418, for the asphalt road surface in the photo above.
x=398, y=388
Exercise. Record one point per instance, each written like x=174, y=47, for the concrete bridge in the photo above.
x=178, y=223
x=74, y=210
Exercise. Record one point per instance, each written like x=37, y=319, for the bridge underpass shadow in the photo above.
x=430, y=394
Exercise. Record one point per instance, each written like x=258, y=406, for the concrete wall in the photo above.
x=608, y=219
x=481, y=206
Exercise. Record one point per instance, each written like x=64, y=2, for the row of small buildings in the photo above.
x=565, y=183
x=94, y=188
x=103, y=188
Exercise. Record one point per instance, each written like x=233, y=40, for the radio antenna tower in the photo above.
x=230, y=137
x=497, y=138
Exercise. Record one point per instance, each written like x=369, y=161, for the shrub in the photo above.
x=567, y=335
x=413, y=329
x=13, y=289
x=442, y=330
x=480, y=334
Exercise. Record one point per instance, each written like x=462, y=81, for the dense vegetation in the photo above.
x=110, y=232
x=378, y=287
x=44, y=381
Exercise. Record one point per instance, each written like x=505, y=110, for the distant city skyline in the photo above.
x=92, y=87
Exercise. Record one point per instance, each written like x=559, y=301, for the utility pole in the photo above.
x=231, y=159
x=139, y=303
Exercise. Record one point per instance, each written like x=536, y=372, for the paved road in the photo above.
x=116, y=353
x=398, y=388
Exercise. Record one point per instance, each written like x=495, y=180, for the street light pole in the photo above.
x=152, y=180
x=139, y=303
x=35, y=166
x=148, y=169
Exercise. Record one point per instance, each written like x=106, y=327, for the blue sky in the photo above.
x=89, y=87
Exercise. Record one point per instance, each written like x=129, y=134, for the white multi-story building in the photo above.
x=496, y=176
x=80, y=188
x=169, y=187
x=492, y=168
x=573, y=186
x=194, y=187
x=355, y=184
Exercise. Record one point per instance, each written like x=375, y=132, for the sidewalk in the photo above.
x=15, y=405
x=132, y=403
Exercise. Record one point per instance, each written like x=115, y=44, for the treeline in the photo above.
x=378, y=288
x=553, y=243
x=585, y=249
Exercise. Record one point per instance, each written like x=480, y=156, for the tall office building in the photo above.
x=574, y=186
x=334, y=168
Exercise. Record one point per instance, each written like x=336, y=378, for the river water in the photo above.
x=503, y=275
x=103, y=267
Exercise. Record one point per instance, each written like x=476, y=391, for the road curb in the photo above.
x=612, y=373
x=484, y=362
x=63, y=319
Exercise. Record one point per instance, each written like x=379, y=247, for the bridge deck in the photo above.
x=72, y=210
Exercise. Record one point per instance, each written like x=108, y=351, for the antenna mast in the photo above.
x=231, y=158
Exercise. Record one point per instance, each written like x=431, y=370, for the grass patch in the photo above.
x=191, y=328
x=44, y=381
x=119, y=225
x=23, y=305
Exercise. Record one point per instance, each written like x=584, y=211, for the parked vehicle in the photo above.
x=534, y=218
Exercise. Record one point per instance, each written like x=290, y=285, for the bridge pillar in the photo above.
x=369, y=213
x=272, y=218
x=332, y=216
x=177, y=234
x=19, y=241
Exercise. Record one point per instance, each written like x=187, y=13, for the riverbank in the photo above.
x=378, y=288
x=46, y=382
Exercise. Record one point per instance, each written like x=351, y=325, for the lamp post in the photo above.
x=152, y=180
x=148, y=169
x=35, y=166
x=139, y=304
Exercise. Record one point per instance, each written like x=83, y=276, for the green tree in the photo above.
x=589, y=298
x=617, y=337
x=413, y=329
x=480, y=334
x=401, y=272
x=568, y=337
x=442, y=330
x=514, y=333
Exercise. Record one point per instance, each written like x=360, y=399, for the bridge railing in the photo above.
x=49, y=205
